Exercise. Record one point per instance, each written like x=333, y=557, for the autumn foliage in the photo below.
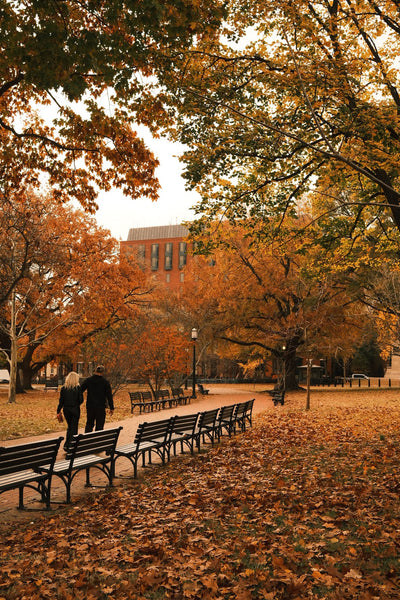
x=301, y=506
x=292, y=94
x=77, y=78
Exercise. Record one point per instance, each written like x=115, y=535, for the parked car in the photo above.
x=359, y=376
x=4, y=376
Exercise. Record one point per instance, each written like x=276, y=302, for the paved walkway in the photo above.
x=217, y=397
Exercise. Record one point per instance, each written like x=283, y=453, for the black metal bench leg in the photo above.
x=45, y=493
x=88, y=484
x=21, y=498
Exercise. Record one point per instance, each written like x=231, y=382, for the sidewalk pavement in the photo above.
x=216, y=398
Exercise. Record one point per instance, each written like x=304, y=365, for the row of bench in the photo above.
x=146, y=402
x=34, y=465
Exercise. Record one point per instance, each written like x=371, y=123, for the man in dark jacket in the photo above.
x=99, y=397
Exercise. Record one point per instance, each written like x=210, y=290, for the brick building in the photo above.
x=163, y=250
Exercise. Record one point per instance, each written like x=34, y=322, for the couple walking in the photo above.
x=99, y=397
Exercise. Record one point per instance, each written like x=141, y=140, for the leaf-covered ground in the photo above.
x=304, y=505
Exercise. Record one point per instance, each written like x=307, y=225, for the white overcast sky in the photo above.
x=119, y=213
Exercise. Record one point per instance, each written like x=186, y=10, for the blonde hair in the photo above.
x=71, y=380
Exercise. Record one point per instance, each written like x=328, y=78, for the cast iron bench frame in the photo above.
x=149, y=403
x=226, y=420
x=278, y=397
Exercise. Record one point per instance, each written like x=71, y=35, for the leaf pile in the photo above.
x=304, y=505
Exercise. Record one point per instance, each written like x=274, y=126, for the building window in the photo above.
x=168, y=256
x=182, y=254
x=141, y=252
x=182, y=277
x=154, y=257
x=168, y=277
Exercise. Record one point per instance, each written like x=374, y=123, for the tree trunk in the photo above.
x=19, y=383
x=289, y=367
x=27, y=373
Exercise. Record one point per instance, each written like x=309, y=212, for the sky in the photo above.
x=119, y=213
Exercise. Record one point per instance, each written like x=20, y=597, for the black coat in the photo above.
x=70, y=399
x=99, y=392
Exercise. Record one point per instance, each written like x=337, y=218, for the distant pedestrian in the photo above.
x=99, y=397
x=71, y=398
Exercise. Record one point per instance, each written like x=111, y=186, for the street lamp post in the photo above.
x=283, y=368
x=194, y=338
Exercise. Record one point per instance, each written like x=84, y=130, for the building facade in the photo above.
x=163, y=251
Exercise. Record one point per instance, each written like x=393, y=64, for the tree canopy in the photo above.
x=295, y=96
x=76, y=79
x=67, y=278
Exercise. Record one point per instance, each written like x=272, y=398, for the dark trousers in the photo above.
x=72, y=418
x=95, y=416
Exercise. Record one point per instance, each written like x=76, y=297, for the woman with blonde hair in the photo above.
x=71, y=398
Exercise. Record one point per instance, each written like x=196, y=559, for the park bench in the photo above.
x=149, y=402
x=226, y=420
x=162, y=398
x=184, y=432
x=20, y=467
x=51, y=384
x=207, y=426
x=150, y=437
x=243, y=414
x=202, y=389
x=88, y=451
x=160, y=437
x=278, y=397
x=179, y=396
x=136, y=401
